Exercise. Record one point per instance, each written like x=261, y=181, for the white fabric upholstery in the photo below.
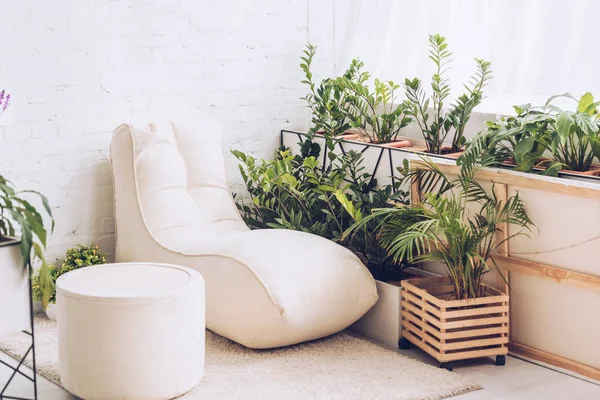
x=130, y=331
x=264, y=288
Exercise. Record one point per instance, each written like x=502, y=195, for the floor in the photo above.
x=517, y=380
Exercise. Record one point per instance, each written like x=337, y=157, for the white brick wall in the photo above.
x=77, y=69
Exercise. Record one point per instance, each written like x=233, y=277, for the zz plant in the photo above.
x=442, y=121
x=376, y=113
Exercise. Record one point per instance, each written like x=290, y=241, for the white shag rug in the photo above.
x=338, y=367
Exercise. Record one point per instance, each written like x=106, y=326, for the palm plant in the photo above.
x=441, y=227
x=437, y=126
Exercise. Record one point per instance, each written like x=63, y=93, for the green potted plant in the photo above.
x=443, y=119
x=376, y=114
x=527, y=140
x=457, y=222
x=75, y=258
x=23, y=238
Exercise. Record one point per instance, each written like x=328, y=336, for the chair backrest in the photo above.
x=179, y=182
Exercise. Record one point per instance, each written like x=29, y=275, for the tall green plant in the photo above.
x=376, y=114
x=437, y=126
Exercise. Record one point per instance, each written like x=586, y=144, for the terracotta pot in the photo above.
x=592, y=172
x=397, y=144
x=447, y=151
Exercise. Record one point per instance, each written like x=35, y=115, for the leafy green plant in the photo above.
x=18, y=217
x=374, y=113
x=443, y=228
x=326, y=100
x=521, y=139
x=437, y=126
x=572, y=137
x=76, y=257
x=293, y=192
x=575, y=139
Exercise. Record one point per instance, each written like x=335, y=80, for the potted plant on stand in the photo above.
x=457, y=223
x=444, y=120
x=23, y=237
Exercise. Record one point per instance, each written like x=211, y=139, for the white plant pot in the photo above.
x=14, y=306
x=51, y=311
x=383, y=321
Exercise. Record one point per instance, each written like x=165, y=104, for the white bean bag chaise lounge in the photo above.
x=264, y=288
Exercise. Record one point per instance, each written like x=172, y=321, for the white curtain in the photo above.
x=537, y=48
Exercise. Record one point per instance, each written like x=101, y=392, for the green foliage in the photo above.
x=571, y=136
x=76, y=257
x=444, y=228
x=442, y=121
x=575, y=138
x=297, y=193
x=373, y=113
x=19, y=217
x=326, y=100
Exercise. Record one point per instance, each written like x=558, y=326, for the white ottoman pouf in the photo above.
x=130, y=331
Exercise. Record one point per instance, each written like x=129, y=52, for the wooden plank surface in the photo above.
x=552, y=359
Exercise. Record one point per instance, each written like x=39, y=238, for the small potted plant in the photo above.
x=23, y=238
x=77, y=257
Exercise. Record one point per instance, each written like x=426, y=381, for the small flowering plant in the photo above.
x=4, y=101
x=19, y=218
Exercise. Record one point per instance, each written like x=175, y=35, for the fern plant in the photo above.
x=376, y=114
x=440, y=227
x=442, y=121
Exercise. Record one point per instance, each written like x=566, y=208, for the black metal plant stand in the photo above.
x=17, y=370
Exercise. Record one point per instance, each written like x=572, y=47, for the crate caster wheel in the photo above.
x=447, y=366
x=404, y=344
x=500, y=360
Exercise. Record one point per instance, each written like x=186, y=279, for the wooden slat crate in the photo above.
x=450, y=329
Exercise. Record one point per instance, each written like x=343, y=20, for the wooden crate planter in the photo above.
x=451, y=330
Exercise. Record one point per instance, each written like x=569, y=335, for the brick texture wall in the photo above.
x=77, y=69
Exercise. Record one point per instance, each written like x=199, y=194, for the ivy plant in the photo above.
x=442, y=121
